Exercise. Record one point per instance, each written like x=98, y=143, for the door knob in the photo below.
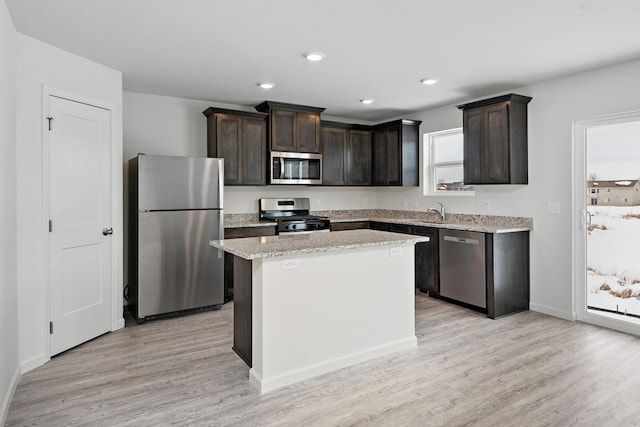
x=107, y=231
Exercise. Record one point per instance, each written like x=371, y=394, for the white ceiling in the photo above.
x=219, y=50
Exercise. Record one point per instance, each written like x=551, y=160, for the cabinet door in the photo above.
x=228, y=145
x=283, y=130
x=359, y=158
x=379, y=157
x=426, y=260
x=496, y=144
x=381, y=226
x=401, y=228
x=343, y=226
x=473, y=150
x=254, y=152
x=334, y=145
x=394, y=156
x=307, y=133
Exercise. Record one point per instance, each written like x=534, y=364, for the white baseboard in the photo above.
x=33, y=363
x=119, y=324
x=281, y=380
x=566, y=315
x=8, y=397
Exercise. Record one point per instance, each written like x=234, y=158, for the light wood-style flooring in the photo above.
x=526, y=369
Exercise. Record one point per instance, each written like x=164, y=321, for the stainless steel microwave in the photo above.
x=295, y=168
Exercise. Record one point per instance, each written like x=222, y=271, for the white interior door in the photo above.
x=607, y=231
x=80, y=212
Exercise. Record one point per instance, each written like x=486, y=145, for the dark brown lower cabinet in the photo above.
x=381, y=226
x=237, y=233
x=426, y=253
x=506, y=274
x=427, y=260
x=354, y=225
x=507, y=266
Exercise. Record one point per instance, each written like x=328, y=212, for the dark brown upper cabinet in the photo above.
x=293, y=127
x=359, y=156
x=395, y=153
x=334, y=155
x=241, y=139
x=495, y=140
x=346, y=154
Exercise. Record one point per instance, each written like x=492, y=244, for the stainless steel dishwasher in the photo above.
x=462, y=267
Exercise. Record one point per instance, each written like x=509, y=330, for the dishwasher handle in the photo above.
x=461, y=240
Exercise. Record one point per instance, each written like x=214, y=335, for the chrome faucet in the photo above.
x=439, y=212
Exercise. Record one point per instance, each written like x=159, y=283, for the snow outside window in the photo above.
x=443, y=160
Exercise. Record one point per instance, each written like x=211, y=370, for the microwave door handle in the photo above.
x=281, y=167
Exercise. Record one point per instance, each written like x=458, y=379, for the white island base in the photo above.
x=315, y=313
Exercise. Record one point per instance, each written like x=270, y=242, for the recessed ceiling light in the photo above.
x=266, y=85
x=367, y=101
x=314, y=56
x=429, y=81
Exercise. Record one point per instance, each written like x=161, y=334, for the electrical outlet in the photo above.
x=290, y=264
x=395, y=251
x=317, y=203
x=486, y=205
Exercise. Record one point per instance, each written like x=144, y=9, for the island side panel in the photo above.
x=242, y=307
x=333, y=310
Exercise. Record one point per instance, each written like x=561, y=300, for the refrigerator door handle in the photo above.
x=221, y=234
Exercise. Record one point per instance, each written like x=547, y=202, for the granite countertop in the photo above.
x=454, y=221
x=297, y=244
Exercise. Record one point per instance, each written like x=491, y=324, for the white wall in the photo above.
x=173, y=126
x=9, y=366
x=40, y=64
x=555, y=105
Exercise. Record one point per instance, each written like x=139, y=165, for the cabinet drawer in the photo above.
x=236, y=233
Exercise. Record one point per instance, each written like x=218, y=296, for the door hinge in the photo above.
x=50, y=327
x=50, y=120
x=50, y=225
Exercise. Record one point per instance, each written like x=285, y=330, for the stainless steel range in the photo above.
x=292, y=215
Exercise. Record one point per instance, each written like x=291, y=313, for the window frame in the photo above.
x=429, y=169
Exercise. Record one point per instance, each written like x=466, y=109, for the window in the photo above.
x=444, y=171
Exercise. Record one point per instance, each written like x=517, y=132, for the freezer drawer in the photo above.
x=462, y=267
x=177, y=268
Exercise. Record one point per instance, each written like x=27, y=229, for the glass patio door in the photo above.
x=607, y=201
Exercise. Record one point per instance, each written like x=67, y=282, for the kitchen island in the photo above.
x=308, y=304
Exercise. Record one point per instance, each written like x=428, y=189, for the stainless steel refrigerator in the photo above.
x=175, y=209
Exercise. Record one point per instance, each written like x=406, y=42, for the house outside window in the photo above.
x=443, y=160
